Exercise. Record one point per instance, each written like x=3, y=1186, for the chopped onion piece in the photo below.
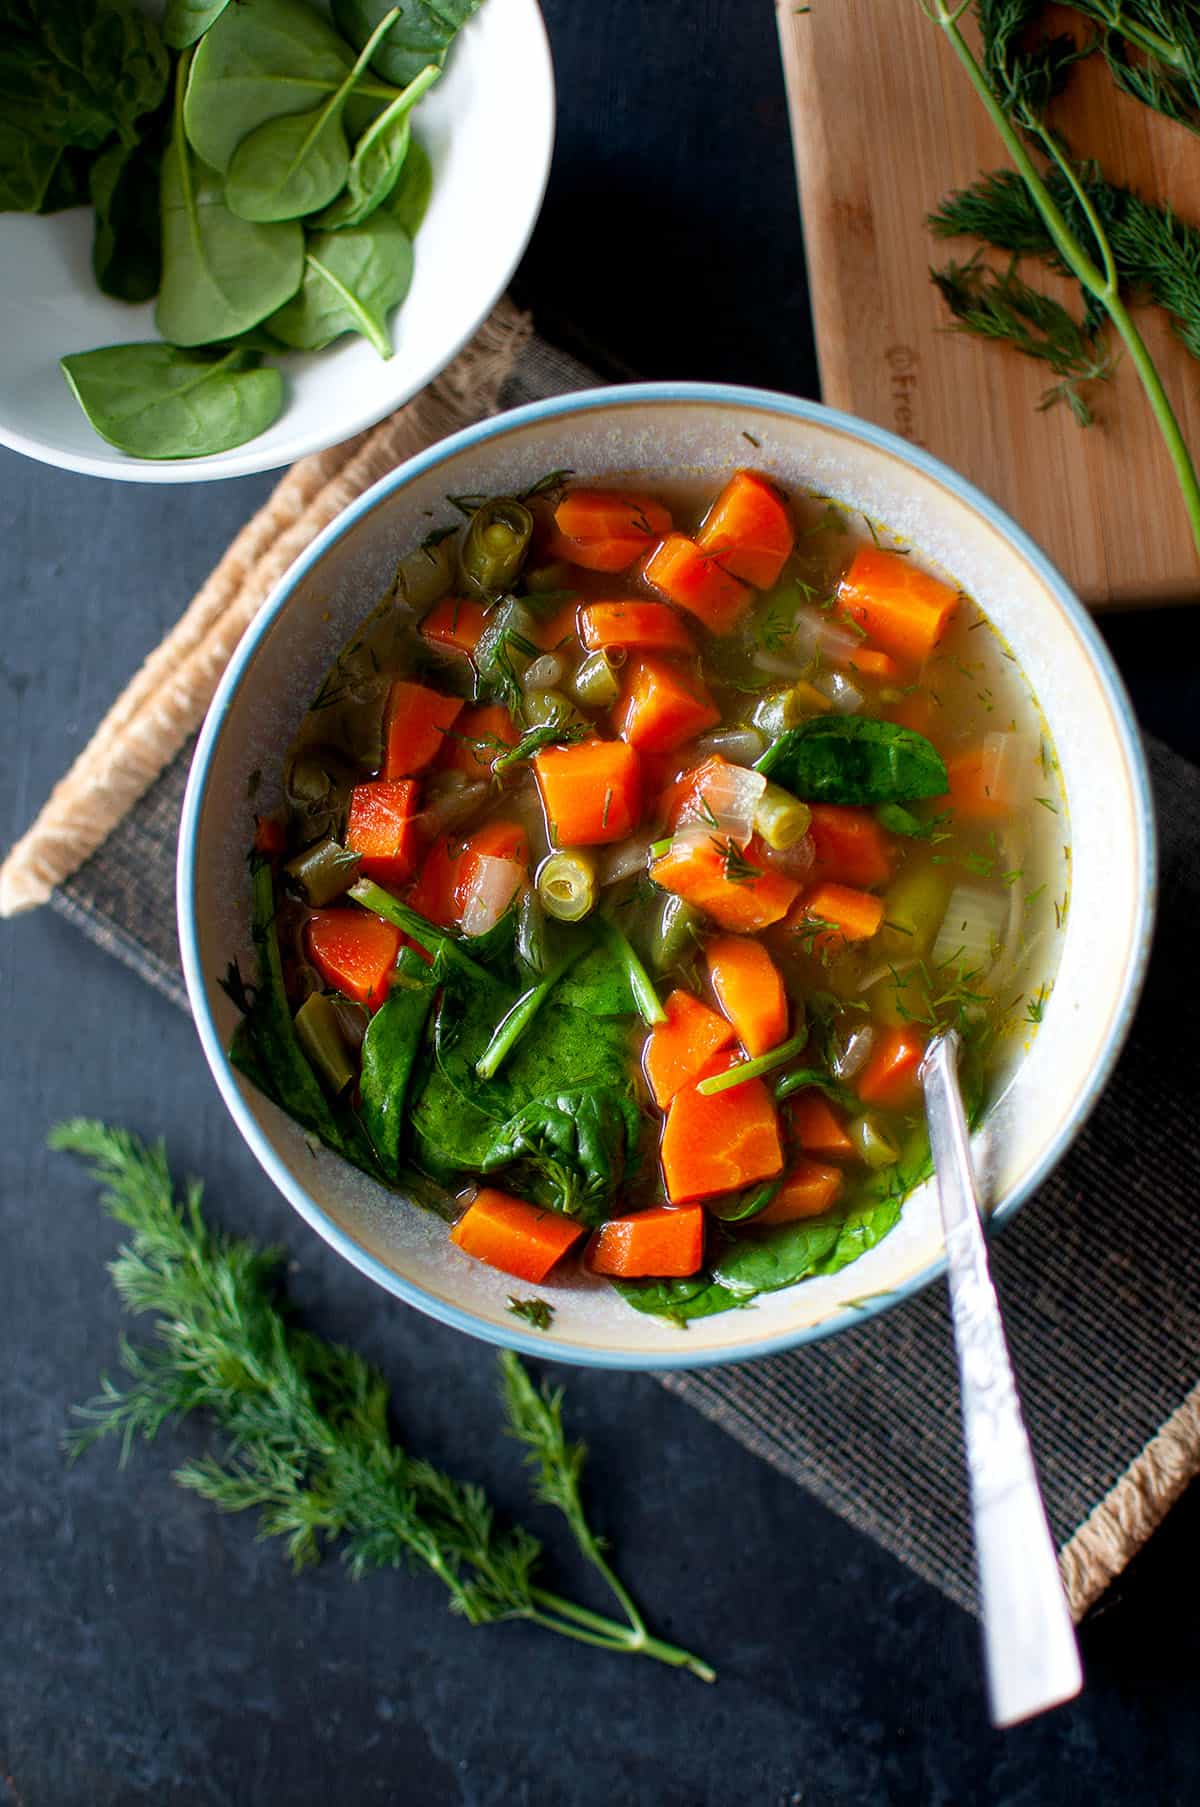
x=727, y=801
x=543, y=673
x=783, y=664
x=624, y=859
x=742, y=746
x=972, y=930
x=1006, y=767
x=817, y=636
x=846, y=699
x=853, y=1053
x=796, y=860
x=877, y=1147
x=494, y=884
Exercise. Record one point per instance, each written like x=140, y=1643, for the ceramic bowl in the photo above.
x=1048, y=1085
x=489, y=127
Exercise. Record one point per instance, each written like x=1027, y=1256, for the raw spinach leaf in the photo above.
x=854, y=759
x=221, y=274
x=422, y=34
x=351, y=280
x=75, y=73
x=409, y=200
x=26, y=171
x=297, y=163
x=260, y=59
x=390, y=1052
x=186, y=20
x=379, y=158
x=572, y=1148
x=679, y=1300
x=127, y=236
x=155, y=401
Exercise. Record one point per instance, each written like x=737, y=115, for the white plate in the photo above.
x=489, y=128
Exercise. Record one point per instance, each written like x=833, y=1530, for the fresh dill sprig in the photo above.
x=1000, y=304
x=1164, y=35
x=304, y=1427
x=1015, y=78
x=538, y=1312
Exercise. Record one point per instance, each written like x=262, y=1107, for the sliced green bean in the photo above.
x=566, y=885
x=780, y=818
x=873, y=1142
x=495, y=547
x=596, y=683
x=320, y=1035
x=754, y=1069
x=674, y=934
x=323, y=871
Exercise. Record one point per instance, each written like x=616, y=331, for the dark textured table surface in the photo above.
x=153, y=1652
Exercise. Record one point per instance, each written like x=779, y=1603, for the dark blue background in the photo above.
x=152, y=1652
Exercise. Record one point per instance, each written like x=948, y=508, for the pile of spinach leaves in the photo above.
x=250, y=163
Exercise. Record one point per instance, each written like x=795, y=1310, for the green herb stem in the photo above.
x=1102, y=284
x=640, y=983
x=515, y=1022
x=379, y=902
x=754, y=1069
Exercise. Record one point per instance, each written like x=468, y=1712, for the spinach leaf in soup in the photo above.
x=186, y=20
x=297, y=163
x=156, y=401
x=259, y=60
x=351, y=281
x=679, y=1301
x=221, y=274
x=422, y=34
x=855, y=759
x=572, y=1149
x=379, y=159
x=390, y=1055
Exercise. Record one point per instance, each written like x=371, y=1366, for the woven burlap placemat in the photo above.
x=1095, y=1273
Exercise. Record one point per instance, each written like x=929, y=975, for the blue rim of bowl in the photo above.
x=547, y=1346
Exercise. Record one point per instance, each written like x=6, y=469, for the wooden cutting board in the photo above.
x=884, y=122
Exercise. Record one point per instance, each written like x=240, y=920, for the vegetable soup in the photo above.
x=631, y=854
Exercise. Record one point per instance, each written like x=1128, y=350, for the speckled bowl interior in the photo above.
x=1046, y=1085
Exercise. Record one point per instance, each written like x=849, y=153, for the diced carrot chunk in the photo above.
x=890, y=1077
x=678, y=1051
x=741, y=892
x=611, y=514
x=809, y=1189
x=849, y=846
x=901, y=608
x=476, y=741
x=832, y=915
x=435, y=894
x=591, y=793
x=719, y=1143
x=455, y=623
x=874, y=664
x=607, y=556
x=749, y=528
x=518, y=1238
x=650, y=626
x=817, y=1127
x=662, y=705
x=749, y=990
x=915, y=711
x=382, y=827
x=497, y=840
x=415, y=727
x=354, y=952
x=269, y=837
x=664, y=1241
x=989, y=781
x=696, y=581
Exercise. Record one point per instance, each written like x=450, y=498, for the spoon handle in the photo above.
x=1029, y=1641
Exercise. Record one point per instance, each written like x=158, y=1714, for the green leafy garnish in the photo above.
x=303, y=1425
x=855, y=759
x=538, y=1312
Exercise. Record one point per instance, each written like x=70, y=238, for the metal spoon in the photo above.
x=1029, y=1641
